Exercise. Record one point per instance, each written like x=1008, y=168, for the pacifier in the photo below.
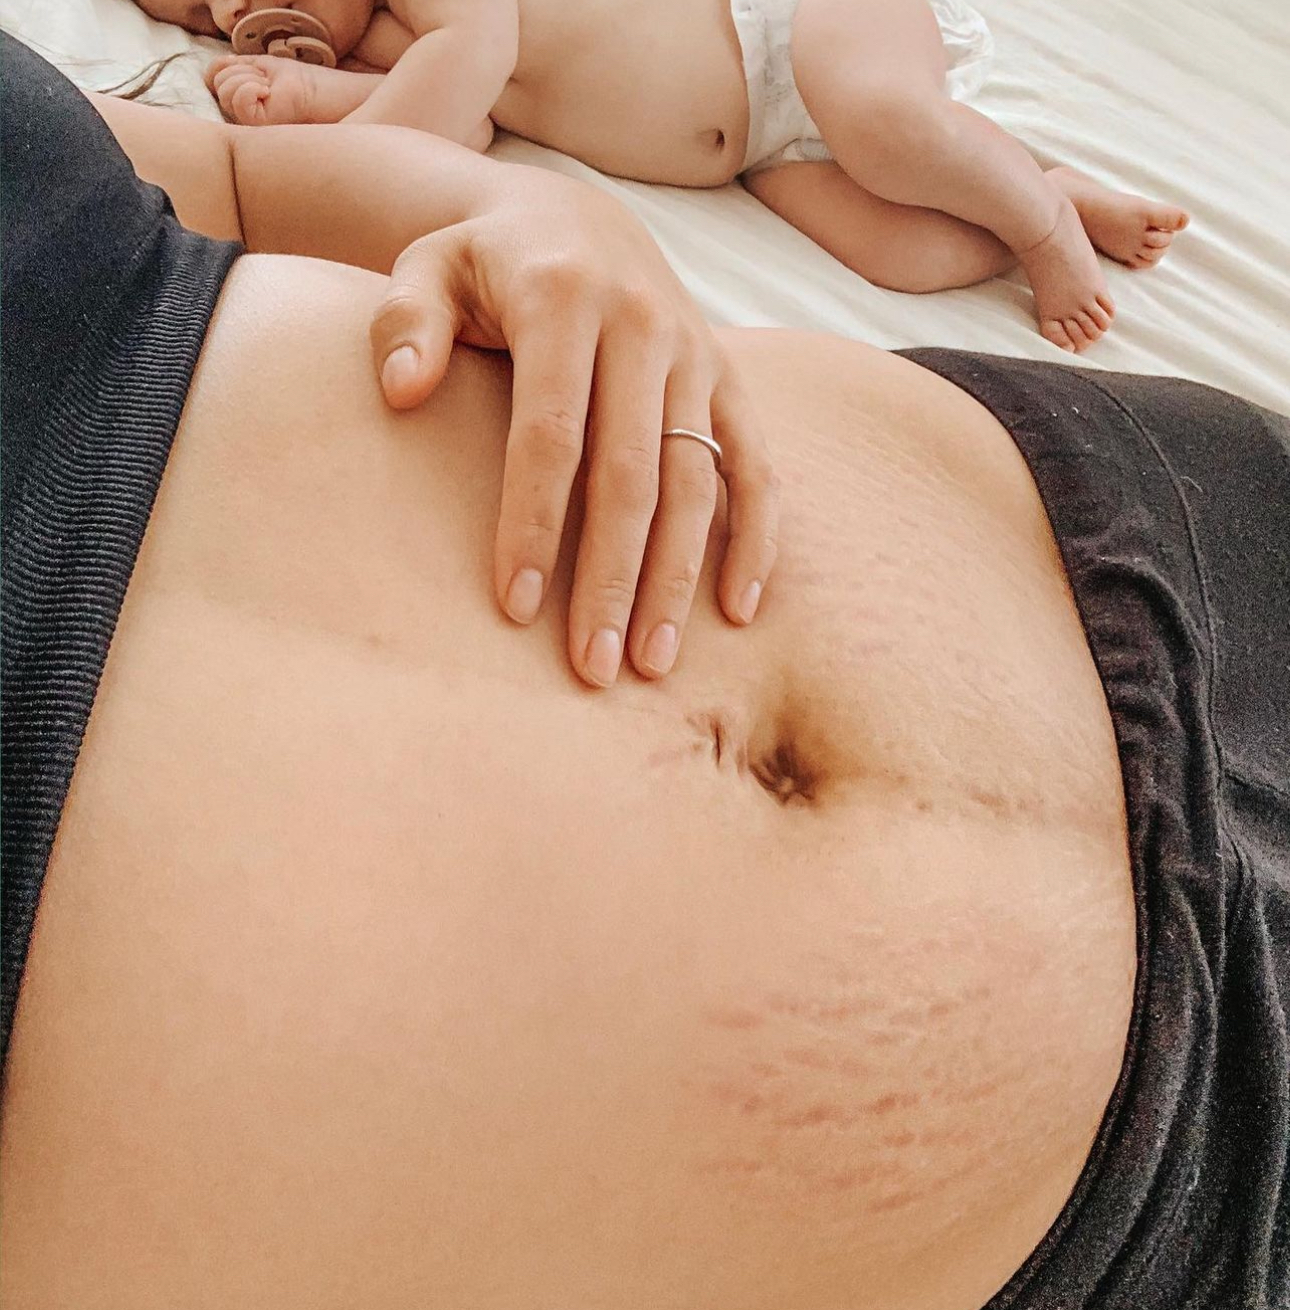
x=286, y=33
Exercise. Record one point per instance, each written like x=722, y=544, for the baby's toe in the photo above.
x=1088, y=326
x=1168, y=218
x=1076, y=333
x=1055, y=331
x=1156, y=237
x=1101, y=317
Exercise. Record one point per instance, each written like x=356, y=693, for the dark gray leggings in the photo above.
x=1170, y=503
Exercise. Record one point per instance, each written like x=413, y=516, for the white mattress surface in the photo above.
x=1185, y=100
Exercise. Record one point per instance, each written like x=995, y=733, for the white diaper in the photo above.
x=780, y=131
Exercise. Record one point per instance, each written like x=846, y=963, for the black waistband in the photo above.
x=1170, y=503
x=106, y=304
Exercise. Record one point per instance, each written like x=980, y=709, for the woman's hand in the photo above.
x=609, y=354
x=609, y=351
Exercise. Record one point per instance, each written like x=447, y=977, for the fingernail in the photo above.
x=400, y=368
x=749, y=601
x=524, y=596
x=660, y=649
x=604, y=655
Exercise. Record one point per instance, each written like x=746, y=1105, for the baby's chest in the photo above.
x=655, y=31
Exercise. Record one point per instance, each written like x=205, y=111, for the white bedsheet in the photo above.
x=1186, y=100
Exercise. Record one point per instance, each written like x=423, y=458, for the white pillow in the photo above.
x=102, y=43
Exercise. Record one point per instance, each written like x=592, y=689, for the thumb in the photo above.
x=416, y=323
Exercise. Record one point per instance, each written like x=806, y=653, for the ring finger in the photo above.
x=687, y=499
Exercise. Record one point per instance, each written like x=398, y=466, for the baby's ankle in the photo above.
x=1044, y=222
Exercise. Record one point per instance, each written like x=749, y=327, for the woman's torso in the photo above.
x=380, y=961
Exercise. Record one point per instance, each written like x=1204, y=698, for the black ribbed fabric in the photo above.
x=1170, y=503
x=106, y=301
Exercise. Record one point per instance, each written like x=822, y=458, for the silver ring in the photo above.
x=701, y=437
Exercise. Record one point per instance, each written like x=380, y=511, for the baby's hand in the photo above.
x=263, y=90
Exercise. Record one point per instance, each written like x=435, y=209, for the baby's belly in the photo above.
x=649, y=89
x=381, y=962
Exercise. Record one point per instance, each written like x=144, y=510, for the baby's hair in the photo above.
x=139, y=84
x=135, y=87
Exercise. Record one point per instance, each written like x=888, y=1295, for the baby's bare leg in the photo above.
x=900, y=247
x=872, y=75
x=909, y=248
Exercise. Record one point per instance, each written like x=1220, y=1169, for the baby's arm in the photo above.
x=454, y=72
x=384, y=43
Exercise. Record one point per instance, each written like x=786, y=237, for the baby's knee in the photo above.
x=896, y=116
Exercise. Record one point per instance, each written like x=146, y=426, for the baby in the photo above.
x=846, y=117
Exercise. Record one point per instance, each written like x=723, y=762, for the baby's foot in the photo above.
x=1072, y=302
x=264, y=90
x=1131, y=229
